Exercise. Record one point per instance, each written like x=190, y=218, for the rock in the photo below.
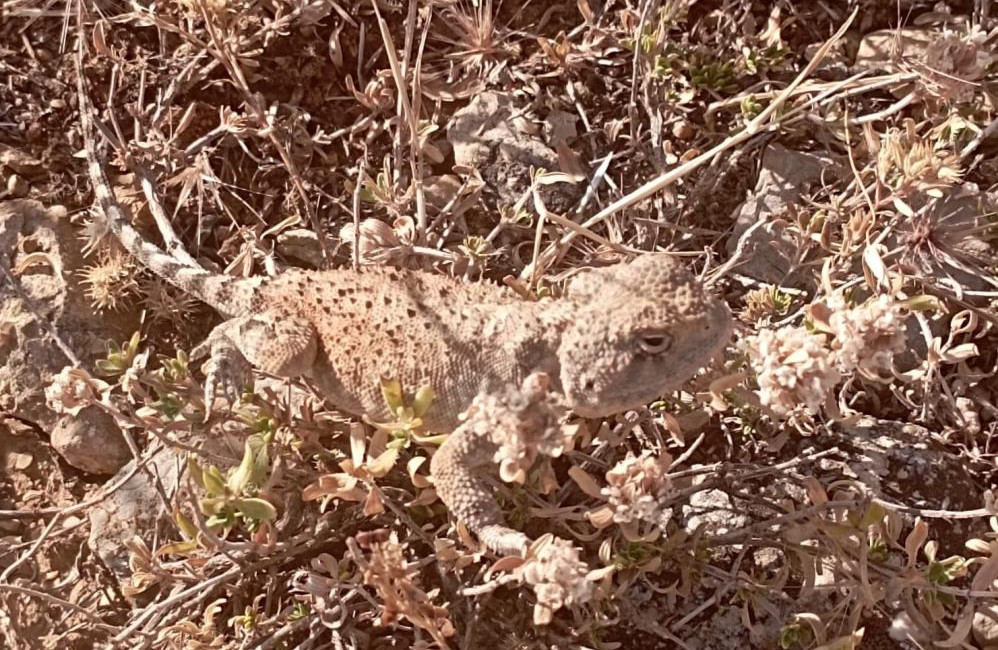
x=881, y=49
x=137, y=509
x=485, y=138
x=21, y=162
x=902, y=464
x=723, y=630
x=713, y=509
x=770, y=250
x=302, y=244
x=91, y=441
x=48, y=290
x=132, y=510
x=438, y=191
x=985, y=626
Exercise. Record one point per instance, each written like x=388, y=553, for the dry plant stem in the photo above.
x=415, y=156
x=198, y=593
x=632, y=107
x=95, y=620
x=171, y=242
x=763, y=122
x=9, y=571
x=402, y=515
x=893, y=109
x=222, y=53
x=73, y=509
x=361, y=175
x=973, y=145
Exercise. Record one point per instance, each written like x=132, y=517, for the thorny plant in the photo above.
x=254, y=118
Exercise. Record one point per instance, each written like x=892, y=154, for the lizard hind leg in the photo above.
x=273, y=343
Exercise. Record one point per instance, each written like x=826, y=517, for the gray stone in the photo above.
x=713, y=509
x=91, y=441
x=132, y=510
x=485, y=137
x=48, y=291
x=881, y=49
x=770, y=250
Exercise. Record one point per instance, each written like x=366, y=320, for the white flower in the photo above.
x=559, y=577
x=794, y=368
x=72, y=390
x=636, y=487
x=868, y=336
x=523, y=422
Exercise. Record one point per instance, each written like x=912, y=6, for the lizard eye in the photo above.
x=655, y=342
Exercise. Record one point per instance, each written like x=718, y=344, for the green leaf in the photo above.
x=222, y=520
x=923, y=302
x=258, y=509
x=178, y=548
x=133, y=345
x=873, y=514
x=423, y=400
x=261, y=465
x=213, y=483
x=186, y=526
x=240, y=479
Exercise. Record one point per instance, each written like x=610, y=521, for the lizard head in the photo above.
x=640, y=330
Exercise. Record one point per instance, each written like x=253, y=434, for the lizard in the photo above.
x=620, y=337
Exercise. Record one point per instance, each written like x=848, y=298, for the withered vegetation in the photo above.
x=742, y=511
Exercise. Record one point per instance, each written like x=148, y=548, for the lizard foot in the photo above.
x=510, y=429
x=227, y=371
x=273, y=343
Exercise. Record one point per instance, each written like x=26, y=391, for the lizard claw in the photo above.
x=226, y=371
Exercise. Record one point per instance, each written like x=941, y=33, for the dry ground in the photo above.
x=828, y=166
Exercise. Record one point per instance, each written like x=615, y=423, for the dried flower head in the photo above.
x=321, y=586
x=387, y=571
x=559, y=577
x=794, y=368
x=907, y=161
x=379, y=243
x=867, y=336
x=165, y=303
x=110, y=280
x=72, y=390
x=475, y=41
x=636, y=487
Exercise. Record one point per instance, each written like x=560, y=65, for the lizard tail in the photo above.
x=230, y=296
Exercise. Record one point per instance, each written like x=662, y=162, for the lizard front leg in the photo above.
x=276, y=344
x=510, y=430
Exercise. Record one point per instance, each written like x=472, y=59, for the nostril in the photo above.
x=589, y=385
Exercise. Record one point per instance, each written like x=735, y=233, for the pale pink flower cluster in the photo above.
x=557, y=574
x=636, y=486
x=796, y=367
x=72, y=390
x=524, y=423
x=868, y=336
x=793, y=367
